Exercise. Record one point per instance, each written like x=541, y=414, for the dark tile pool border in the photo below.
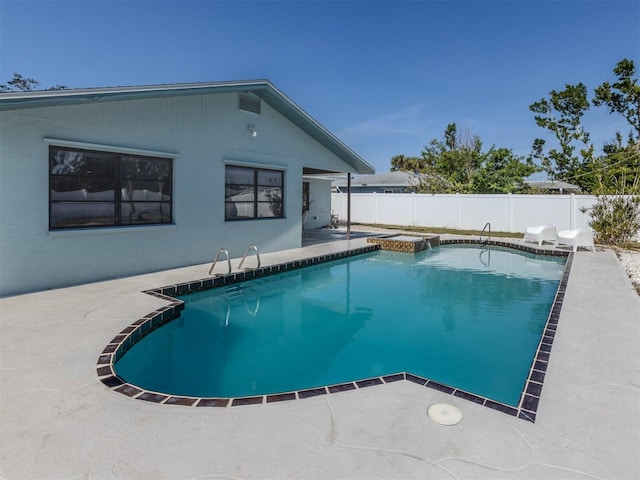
x=526, y=409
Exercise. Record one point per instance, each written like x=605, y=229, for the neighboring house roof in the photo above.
x=263, y=89
x=388, y=179
x=553, y=185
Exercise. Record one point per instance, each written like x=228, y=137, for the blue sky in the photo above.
x=386, y=77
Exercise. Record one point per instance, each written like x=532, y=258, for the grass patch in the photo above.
x=453, y=231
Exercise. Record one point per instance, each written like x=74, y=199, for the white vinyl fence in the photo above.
x=506, y=213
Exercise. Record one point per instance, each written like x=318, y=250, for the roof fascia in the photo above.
x=42, y=98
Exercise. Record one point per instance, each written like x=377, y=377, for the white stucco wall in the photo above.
x=202, y=131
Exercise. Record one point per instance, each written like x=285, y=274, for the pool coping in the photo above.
x=526, y=409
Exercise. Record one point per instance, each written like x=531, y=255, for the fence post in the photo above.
x=413, y=209
x=572, y=210
x=509, y=213
x=375, y=208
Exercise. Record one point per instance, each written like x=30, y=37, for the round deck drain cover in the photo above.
x=444, y=414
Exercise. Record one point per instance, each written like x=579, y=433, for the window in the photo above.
x=253, y=193
x=104, y=189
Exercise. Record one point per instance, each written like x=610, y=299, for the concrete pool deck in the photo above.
x=57, y=420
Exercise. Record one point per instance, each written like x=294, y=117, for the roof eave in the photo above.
x=39, y=98
x=263, y=89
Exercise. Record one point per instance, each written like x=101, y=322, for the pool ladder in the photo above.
x=485, y=243
x=487, y=227
x=226, y=253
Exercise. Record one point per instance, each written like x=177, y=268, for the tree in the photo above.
x=617, y=171
x=401, y=163
x=618, y=166
x=615, y=176
x=562, y=115
x=502, y=172
x=623, y=97
x=456, y=164
x=20, y=84
x=456, y=158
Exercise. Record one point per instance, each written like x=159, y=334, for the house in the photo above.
x=388, y=182
x=552, y=186
x=108, y=182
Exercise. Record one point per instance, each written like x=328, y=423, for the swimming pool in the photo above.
x=466, y=317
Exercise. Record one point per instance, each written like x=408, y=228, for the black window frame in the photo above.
x=231, y=206
x=116, y=175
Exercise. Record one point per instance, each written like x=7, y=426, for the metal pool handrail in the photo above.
x=486, y=225
x=254, y=247
x=215, y=260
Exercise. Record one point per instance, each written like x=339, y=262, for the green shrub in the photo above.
x=615, y=219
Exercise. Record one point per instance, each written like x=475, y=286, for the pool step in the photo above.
x=232, y=293
x=406, y=243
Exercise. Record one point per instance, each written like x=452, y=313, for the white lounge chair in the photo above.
x=540, y=234
x=579, y=237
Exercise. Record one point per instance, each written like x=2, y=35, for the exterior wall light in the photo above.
x=252, y=129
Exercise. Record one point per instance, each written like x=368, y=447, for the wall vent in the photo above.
x=249, y=104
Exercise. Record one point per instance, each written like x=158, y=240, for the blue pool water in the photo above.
x=464, y=316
